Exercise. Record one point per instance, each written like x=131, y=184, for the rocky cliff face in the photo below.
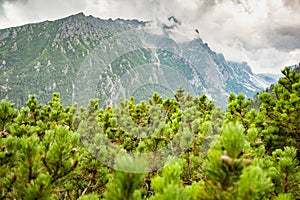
x=84, y=57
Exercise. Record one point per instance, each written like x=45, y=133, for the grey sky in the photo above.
x=264, y=33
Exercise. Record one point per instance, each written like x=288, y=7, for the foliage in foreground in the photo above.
x=237, y=154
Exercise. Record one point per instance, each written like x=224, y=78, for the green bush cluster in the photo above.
x=200, y=152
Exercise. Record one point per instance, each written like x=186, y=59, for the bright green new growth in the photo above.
x=238, y=154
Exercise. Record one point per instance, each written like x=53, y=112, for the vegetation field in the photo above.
x=251, y=150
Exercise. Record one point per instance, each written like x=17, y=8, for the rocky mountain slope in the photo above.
x=83, y=57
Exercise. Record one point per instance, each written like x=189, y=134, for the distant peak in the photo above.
x=78, y=15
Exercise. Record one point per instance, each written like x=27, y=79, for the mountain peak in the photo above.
x=61, y=48
x=80, y=14
x=77, y=16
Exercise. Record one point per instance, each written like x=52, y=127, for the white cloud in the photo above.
x=19, y=12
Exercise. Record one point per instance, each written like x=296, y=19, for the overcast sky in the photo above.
x=264, y=33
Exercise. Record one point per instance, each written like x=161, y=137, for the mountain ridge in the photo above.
x=42, y=58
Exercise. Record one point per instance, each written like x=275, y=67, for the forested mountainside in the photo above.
x=54, y=56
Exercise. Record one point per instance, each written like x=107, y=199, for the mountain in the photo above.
x=296, y=68
x=84, y=57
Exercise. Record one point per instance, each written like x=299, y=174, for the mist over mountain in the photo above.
x=84, y=57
